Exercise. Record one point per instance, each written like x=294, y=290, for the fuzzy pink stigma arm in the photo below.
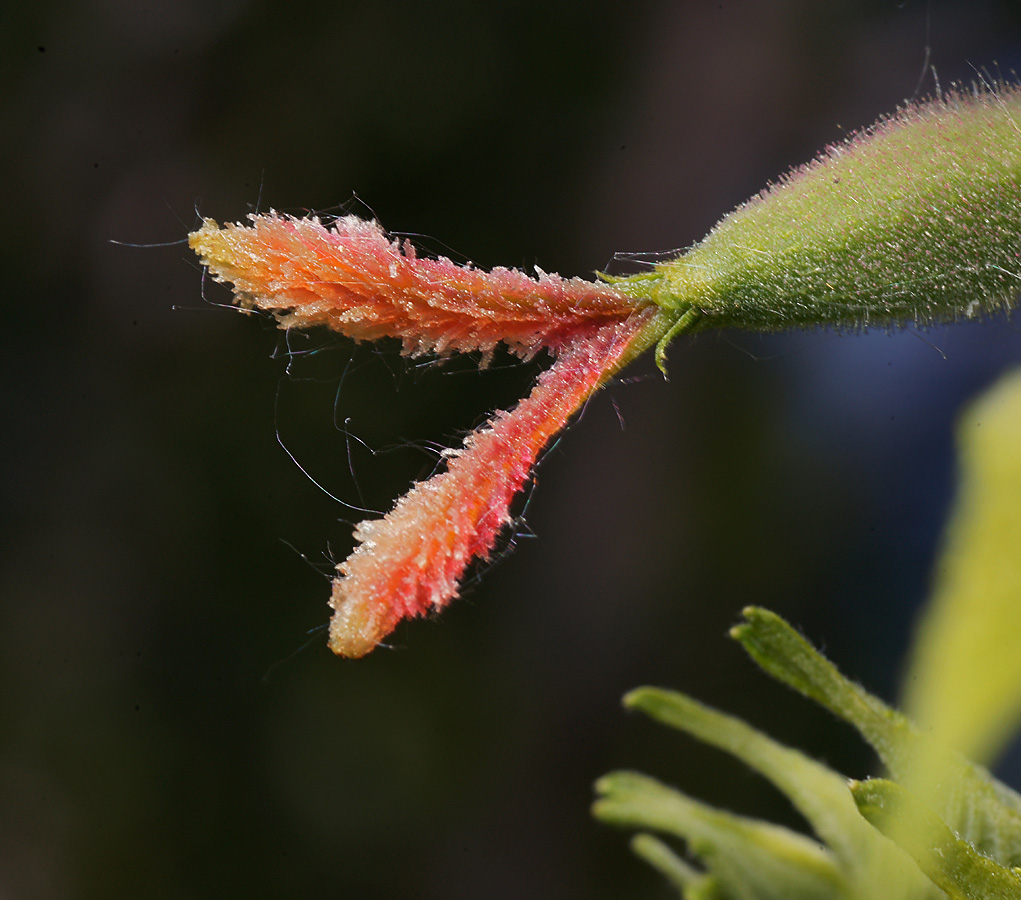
x=412, y=560
x=353, y=279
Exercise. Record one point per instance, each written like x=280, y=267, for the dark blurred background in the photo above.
x=165, y=732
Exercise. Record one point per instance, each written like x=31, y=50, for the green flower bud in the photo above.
x=916, y=219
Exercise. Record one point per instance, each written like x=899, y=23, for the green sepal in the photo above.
x=916, y=219
x=750, y=859
x=685, y=323
x=691, y=883
x=980, y=808
x=817, y=792
x=953, y=865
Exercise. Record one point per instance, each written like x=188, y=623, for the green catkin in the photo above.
x=917, y=219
